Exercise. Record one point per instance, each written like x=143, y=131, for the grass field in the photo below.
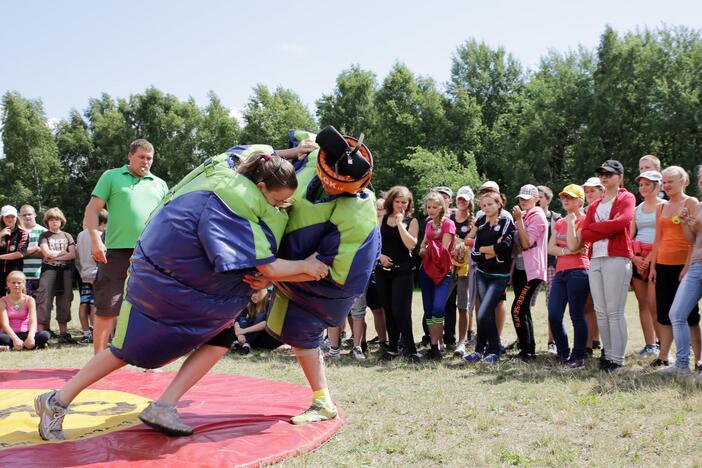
x=450, y=413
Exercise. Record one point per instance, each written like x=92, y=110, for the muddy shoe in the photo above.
x=165, y=418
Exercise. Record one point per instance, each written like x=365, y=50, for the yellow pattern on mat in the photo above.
x=93, y=413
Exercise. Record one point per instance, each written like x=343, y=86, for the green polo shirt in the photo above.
x=129, y=200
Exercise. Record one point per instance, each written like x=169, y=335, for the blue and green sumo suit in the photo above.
x=185, y=280
x=343, y=229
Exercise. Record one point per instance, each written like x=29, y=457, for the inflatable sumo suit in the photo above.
x=343, y=229
x=185, y=281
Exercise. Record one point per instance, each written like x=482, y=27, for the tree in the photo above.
x=350, y=106
x=269, y=117
x=31, y=171
x=218, y=130
x=427, y=169
x=410, y=112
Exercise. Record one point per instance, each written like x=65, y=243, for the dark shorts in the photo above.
x=108, y=287
x=223, y=339
x=86, y=293
x=372, y=296
x=667, y=282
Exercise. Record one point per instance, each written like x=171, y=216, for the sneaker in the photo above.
x=316, y=412
x=87, y=337
x=383, y=345
x=357, y=354
x=364, y=347
x=470, y=339
x=375, y=340
x=473, y=357
x=442, y=348
x=434, y=354
x=332, y=354
x=648, y=351
x=4, y=348
x=415, y=358
x=610, y=367
x=526, y=357
x=165, y=418
x=52, y=334
x=575, y=364
x=66, y=338
x=426, y=341
x=503, y=350
x=659, y=363
x=245, y=349
x=674, y=371
x=552, y=348
x=51, y=416
x=491, y=359
x=348, y=342
x=596, y=344
x=388, y=356
x=460, y=350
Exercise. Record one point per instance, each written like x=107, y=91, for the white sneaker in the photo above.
x=442, y=348
x=552, y=348
x=460, y=350
x=357, y=353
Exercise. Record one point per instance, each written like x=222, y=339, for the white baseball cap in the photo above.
x=528, y=191
x=8, y=210
x=593, y=182
x=465, y=193
x=489, y=185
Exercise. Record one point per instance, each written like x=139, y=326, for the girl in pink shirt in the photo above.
x=18, y=317
x=570, y=285
x=435, y=273
x=530, y=265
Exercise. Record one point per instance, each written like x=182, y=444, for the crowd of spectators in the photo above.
x=463, y=258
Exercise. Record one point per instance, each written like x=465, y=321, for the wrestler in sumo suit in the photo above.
x=185, y=282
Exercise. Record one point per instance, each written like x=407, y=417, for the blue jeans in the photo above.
x=434, y=297
x=490, y=289
x=569, y=287
x=689, y=293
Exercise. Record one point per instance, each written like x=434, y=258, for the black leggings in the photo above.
x=521, y=310
x=40, y=339
x=395, y=290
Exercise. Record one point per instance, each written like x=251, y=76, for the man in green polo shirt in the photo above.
x=129, y=193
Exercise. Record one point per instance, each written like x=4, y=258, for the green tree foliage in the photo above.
x=349, y=108
x=269, y=116
x=31, y=171
x=428, y=169
x=409, y=112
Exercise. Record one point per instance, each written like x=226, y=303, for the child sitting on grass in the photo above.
x=18, y=317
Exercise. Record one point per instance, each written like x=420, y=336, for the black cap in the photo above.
x=611, y=166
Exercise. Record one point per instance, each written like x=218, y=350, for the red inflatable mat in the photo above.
x=238, y=421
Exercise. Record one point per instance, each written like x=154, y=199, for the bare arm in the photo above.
x=409, y=236
x=11, y=256
x=281, y=268
x=92, y=209
x=67, y=256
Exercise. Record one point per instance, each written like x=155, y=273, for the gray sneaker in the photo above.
x=51, y=416
x=165, y=418
x=675, y=371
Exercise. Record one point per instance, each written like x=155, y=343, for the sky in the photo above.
x=65, y=52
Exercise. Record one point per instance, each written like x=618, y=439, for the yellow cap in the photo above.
x=573, y=190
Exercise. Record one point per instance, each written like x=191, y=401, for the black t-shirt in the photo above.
x=392, y=244
x=462, y=228
x=551, y=218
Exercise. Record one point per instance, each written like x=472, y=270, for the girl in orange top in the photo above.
x=670, y=251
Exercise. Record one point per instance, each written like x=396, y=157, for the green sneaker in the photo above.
x=316, y=412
